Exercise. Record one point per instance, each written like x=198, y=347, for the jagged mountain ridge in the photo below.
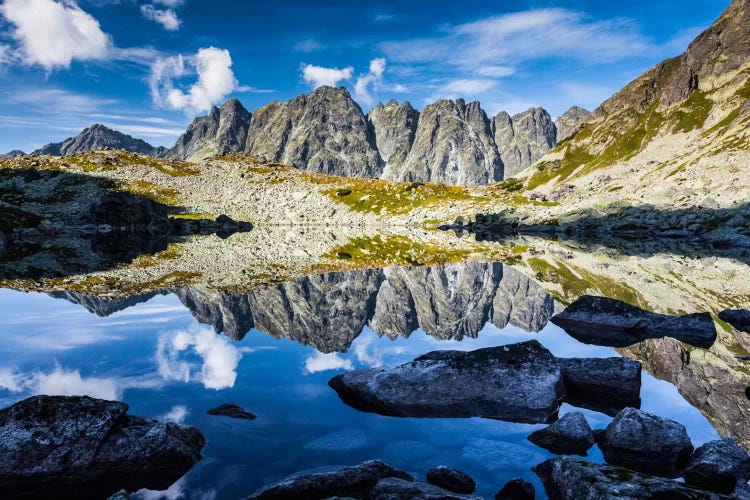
x=675, y=136
x=98, y=137
x=326, y=131
x=329, y=311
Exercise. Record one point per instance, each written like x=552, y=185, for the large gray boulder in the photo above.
x=517, y=383
x=718, y=466
x=394, y=126
x=567, y=478
x=392, y=488
x=523, y=138
x=222, y=131
x=324, y=131
x=356, y=481
x=610, y=322
x=571, y=435
x=607, y=385
x=646, y=443
x=569, y=122
x=52, y=445
x=453, y=144
x=451, y=479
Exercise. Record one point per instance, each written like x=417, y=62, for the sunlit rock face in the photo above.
x=394, y=126
x=523, y=138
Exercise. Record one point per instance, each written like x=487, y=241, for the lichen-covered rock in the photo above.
x=222, y=131
x=523, y=138
x=516, y=489
x=718, y=466
x=394, y=127
x=97, y=137
x=453, y=144
x=569, y=122
x=398, y=489
x=646, y=443
x=324, y=131
x=518, y=383
x=51, y=445
x=607, y=385
x=451, y=479
x=571, y=435
x=610, y=322
x=567, y=478
x=354, y=482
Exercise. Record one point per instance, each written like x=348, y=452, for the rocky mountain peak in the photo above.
x=394, y=127
x=569, y=122
x=523, y=138
x=96, y=137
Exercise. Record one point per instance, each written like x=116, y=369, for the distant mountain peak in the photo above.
x=98, y=136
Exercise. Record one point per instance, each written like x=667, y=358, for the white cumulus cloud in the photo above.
x=54, y=33
x=372, y=80
x=216, y=80
x=317, y=76
x=219, y=357
x=166, y=17
x=320, y=362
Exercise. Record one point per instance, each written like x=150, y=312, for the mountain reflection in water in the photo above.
x=148, y=351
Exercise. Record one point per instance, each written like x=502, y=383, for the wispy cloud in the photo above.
x=166, y=17
x=370, y=81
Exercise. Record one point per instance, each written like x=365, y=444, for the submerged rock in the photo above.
x=571, y=435
x=232, y=410
x=516, y=489
x=50, y=445
x=398, y=489
x=607, y=385
x=451, y=479
x=567, y=478
x=738, y=318
x=354, y=481
x=646, y=443
x=609, y=322
x=718, y=466
x=517, y=383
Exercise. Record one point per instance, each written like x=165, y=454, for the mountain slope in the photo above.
x=673, y=136
x=98, y=137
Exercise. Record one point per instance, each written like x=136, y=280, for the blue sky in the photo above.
x=148, y=67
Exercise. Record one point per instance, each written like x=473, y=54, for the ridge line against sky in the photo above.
x=147, y=67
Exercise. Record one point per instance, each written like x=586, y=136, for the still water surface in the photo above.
x=165, y=364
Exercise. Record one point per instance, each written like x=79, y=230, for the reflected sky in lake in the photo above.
x=156, y=357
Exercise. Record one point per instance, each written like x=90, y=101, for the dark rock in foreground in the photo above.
x=646, y=443
x=516, y=489
x=232, y=410
x=354, y=481
x=607, y=385
x=718, y=466
x=571, y=435
x=398, y=489
x=738, y=318
x=52, y=445
x=609, y=322
x=517, y=383
x=567, y=478
x=451, y=479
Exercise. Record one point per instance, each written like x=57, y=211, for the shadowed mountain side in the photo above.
x=55, y=223
x=329, y=311
x=634, y=230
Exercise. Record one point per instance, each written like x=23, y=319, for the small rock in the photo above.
x=354, y=481
x=232, y=410
x=571, y=435
x=516, y=489
x=718, y=466
x=646, y=443
x=451, y=479
x=398, y=489
x=738, y=318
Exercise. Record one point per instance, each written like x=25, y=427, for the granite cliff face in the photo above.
x=324, y=131
x=395, y=127
x=523, y=138
x=223, y=131
x=98, y=137
x=453, y=144
x=569, y=122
